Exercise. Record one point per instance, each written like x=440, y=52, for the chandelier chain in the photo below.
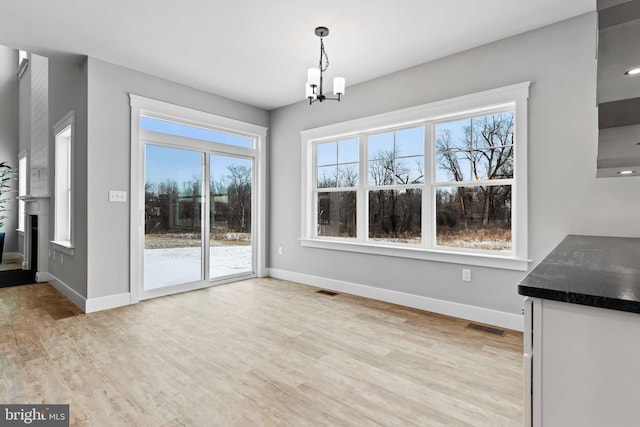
x=324, y=55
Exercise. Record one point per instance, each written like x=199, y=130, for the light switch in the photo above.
x=117, y=196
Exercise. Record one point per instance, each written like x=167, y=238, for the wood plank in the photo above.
x=256, y=352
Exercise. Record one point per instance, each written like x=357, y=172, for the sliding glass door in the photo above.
x=230, y=201
x=198, y=207
x=173, y=237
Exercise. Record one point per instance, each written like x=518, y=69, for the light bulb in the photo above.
x=338, y=86
x=313, y=76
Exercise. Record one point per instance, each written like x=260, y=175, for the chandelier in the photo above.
x=314, y=89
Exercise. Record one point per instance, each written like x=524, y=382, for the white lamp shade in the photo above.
x=338, y=86
x=309, y=90
x=313, y=76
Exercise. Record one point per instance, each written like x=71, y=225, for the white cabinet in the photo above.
x=584, y=365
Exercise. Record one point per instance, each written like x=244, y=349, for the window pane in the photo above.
x=493, y=137
x=453, y=165
x=381, y=172
x=493, y=130
x=337, y=214
x=327, y=177
x=179, y=129
x=62, y=231
x=410, y=170
x=396, y=157
x=327, y=154
x=348, y=175
x=173, y=217
x=380, y=146
x=22, y=176
x=475, y=149
x=395, y=216
x=230, y=187
x=348, y=151
x=453, y=151
x=410, y=142
x=474, y=217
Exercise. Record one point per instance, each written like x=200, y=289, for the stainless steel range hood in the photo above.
x=618, y=94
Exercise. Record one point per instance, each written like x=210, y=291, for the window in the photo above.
x=395, y=171
x=63, y=193
x=474, y=178
x=337, y=181
x=195, y=132
x=22, y=188
x=443, y=181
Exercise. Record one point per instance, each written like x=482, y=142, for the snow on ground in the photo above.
x=165, y=267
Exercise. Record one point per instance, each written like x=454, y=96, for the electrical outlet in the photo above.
x=117, y=196
x=466, y=275
x=279, y=250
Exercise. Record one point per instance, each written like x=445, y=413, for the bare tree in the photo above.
x=487, y=146
x=238, y=182
x=392, y=212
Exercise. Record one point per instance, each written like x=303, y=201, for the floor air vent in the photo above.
x=488, y=329
x=324, y=292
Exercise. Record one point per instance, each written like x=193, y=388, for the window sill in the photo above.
x=477, y=259
x=64, y=247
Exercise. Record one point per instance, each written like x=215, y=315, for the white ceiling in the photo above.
x=258, y=51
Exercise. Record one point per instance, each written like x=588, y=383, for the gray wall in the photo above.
x=68, y=92
x=9, y=138
x=109, y=160
x=564, y=197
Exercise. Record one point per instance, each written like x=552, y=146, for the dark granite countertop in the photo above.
x=597, y=271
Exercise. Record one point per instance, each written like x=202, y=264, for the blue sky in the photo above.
x=183, y=165
x=171, y=128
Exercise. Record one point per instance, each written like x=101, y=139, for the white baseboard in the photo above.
x=90, y=305
x=43, y=277
x=105, y=303
x=68, y=292
x=454, y=309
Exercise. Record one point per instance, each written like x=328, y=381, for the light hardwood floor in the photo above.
x=253, y=353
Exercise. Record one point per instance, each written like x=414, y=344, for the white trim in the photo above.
x=67, y=122
x=166, y=110
x=22, y=67
x=105, y=303
x=439, y=110
x=440, y=255
x=90, y=305
x=462, y=311
x=41, y=277
x=64, y=247
x=66, y=290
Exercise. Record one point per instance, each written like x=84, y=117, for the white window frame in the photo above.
x=23, y=185
x=23, y=62
x=142, y=106
x=513, y=97
x=63, y=183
